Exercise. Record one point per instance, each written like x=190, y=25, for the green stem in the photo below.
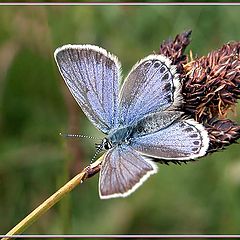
x=51, y=201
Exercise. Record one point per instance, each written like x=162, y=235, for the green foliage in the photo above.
x=198, y=198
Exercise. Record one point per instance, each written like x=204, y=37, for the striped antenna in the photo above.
x=99, y=149
x=77, y=136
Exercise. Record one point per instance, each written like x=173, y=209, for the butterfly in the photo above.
x=141, y=119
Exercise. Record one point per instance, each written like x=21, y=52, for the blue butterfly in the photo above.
x=141, y=118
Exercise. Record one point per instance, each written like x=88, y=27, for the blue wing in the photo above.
x=92, y=76
x=152, y=85
x=123, y=171
x=182, y=140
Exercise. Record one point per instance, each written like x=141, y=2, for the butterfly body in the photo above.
x=120, y=135
x=141, y=119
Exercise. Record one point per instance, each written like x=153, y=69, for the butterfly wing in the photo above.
x=92, y=76
x=123, y=171
x=152, y=85
x=182, y=140
x=154, y=122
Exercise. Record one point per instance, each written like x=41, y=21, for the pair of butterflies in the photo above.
x=141, y=118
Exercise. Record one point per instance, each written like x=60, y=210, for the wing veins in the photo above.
x=153, y=93
x=90, y=83
x=135, y=99
x=82, y=100
x=94, y=74
x=136, y=166
x=115, y=99
x=103, y=83
x=137, y=88
x=147, y=93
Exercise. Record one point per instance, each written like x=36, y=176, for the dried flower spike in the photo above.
x=174, y=49
x=222, y=133
x=212, y=83
x=210, y=87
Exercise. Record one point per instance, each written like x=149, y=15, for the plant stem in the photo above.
x=51, y=201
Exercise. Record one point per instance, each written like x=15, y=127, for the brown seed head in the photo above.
x=210, y=87
x=212, y=83
x=221, y=133
x=174, y=49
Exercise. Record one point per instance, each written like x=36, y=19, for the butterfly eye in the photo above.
x=106, y=144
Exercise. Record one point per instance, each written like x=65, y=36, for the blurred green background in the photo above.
x=198, y=198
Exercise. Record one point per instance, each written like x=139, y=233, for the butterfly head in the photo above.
x=106, y=144
x=116, y=137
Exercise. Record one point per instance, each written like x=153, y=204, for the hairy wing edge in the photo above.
x=92, y=47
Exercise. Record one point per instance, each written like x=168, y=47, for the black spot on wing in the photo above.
x=194, y=135
x=162, y=69
x=167, y=87
x=156, y=64
x=196, y=142
x=165, y=76
x=188, y=129
x=195, y=149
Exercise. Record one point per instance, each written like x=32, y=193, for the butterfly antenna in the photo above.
x=99, y=146
x=77, y=136
x=99, y=149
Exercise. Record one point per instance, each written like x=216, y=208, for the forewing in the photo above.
x=123, y=171
x=152, y=85
x=92, y=76
x=182, y=140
